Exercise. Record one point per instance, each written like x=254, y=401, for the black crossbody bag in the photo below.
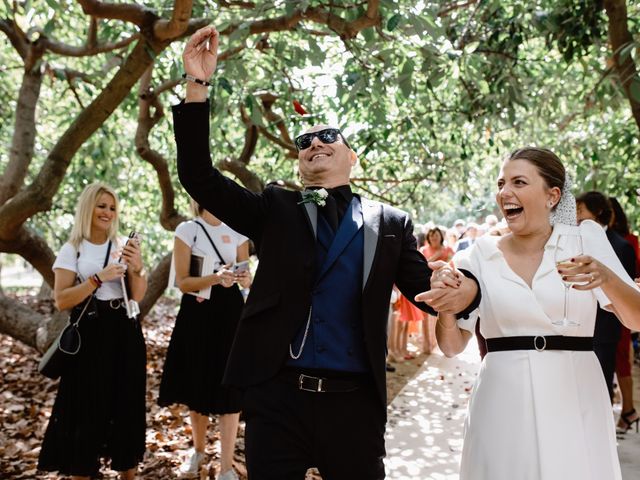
x=58, y=357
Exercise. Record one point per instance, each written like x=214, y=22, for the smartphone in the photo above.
x=241, y=267
x=133, y=234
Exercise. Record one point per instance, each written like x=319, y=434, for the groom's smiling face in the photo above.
x=325, y=164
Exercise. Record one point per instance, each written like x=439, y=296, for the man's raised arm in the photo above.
x=238, y=207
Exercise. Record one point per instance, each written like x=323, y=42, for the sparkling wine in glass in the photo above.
x=568, y=246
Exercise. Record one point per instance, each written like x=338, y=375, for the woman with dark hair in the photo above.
x=433, y=250
x=539, y=408
x=595, y=206
x=628, y=417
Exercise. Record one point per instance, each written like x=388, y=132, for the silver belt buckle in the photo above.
x=115, y=303
x=301, y=386
x=544, y=343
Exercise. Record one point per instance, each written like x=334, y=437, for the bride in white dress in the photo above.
x=539, y=408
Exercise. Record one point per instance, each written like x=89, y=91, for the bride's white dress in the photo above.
x=538, y=415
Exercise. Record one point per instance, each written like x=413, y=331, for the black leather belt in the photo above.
x=114, y=303
x=310, y=383
x=540, y=343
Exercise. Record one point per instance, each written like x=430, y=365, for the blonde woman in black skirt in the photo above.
x=203, y=334
x=99, y=411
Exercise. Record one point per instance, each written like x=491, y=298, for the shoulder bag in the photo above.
x=58, y=357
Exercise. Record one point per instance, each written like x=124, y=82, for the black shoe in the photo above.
x=628, y=423
x=390, y=368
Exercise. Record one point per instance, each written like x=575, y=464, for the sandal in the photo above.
x=625, y=418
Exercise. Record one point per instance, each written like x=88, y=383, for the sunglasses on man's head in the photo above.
x=328, y=135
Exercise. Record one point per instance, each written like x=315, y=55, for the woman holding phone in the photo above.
x=99, y=412
x=203, y=334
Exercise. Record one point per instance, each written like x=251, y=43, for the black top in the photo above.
x=607, y=328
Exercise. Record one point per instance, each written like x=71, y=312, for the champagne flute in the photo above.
x=568, y=246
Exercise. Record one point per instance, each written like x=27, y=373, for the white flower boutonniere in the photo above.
x=318, y=197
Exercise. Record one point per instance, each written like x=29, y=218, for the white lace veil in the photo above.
x=565, y=212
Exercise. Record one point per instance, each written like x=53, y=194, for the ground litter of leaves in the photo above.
x=26, y=399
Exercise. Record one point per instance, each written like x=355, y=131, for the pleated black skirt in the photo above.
x=198, y=351
x=99, y=411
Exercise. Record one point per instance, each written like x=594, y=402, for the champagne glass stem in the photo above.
x=565, y=319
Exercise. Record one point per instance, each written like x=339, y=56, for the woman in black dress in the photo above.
x=99, y=411
x=203, y=334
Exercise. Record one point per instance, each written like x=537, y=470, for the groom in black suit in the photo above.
x=311, y=345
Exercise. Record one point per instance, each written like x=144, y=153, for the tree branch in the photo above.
x=37, y=196
x=24, y=134
x=239, y=167
x=373, y=194
x=147, y=99
x=237, y=4
x=127, y=12
x=16, y=36
x=86, y=50
x=33, y=248
x=157, y=284
x=170, y=29
x=92, y=34
x=619, y=36
x=321, y=15
x=19, y=321
x=455, y=6
x=268, y=99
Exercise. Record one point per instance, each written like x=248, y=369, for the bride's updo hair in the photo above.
x=546, y=162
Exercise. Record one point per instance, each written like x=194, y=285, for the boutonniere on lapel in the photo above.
x=319, y=197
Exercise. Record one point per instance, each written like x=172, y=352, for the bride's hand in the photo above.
x=587, y=273
x=444, y=275
x=450, y=300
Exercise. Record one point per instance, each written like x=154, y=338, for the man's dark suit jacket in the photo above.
x=283, y=232
x=607, y=324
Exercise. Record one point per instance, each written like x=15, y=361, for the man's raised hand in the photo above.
x=200, y=54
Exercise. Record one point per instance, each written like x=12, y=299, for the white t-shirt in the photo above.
x=90, y=262
x=226, y=240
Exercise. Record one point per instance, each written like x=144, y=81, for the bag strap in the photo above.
x=87, y=301
x=211, y=241
x=106, y=257
x=106, y=260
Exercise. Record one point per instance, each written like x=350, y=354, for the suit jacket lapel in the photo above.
x=372, y=213
x=351, y=223
x=311, y=213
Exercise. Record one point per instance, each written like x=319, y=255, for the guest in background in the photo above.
x=408, y=316
x=433, y=250
x=468, y=237
x=203, y=334
x=628, y=417
x=490, y=221
x=595, y=206
x=393, y=353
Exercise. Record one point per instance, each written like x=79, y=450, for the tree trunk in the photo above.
x=20, y=322
x=24, y=135
x=620, y=37
x=157, y=285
